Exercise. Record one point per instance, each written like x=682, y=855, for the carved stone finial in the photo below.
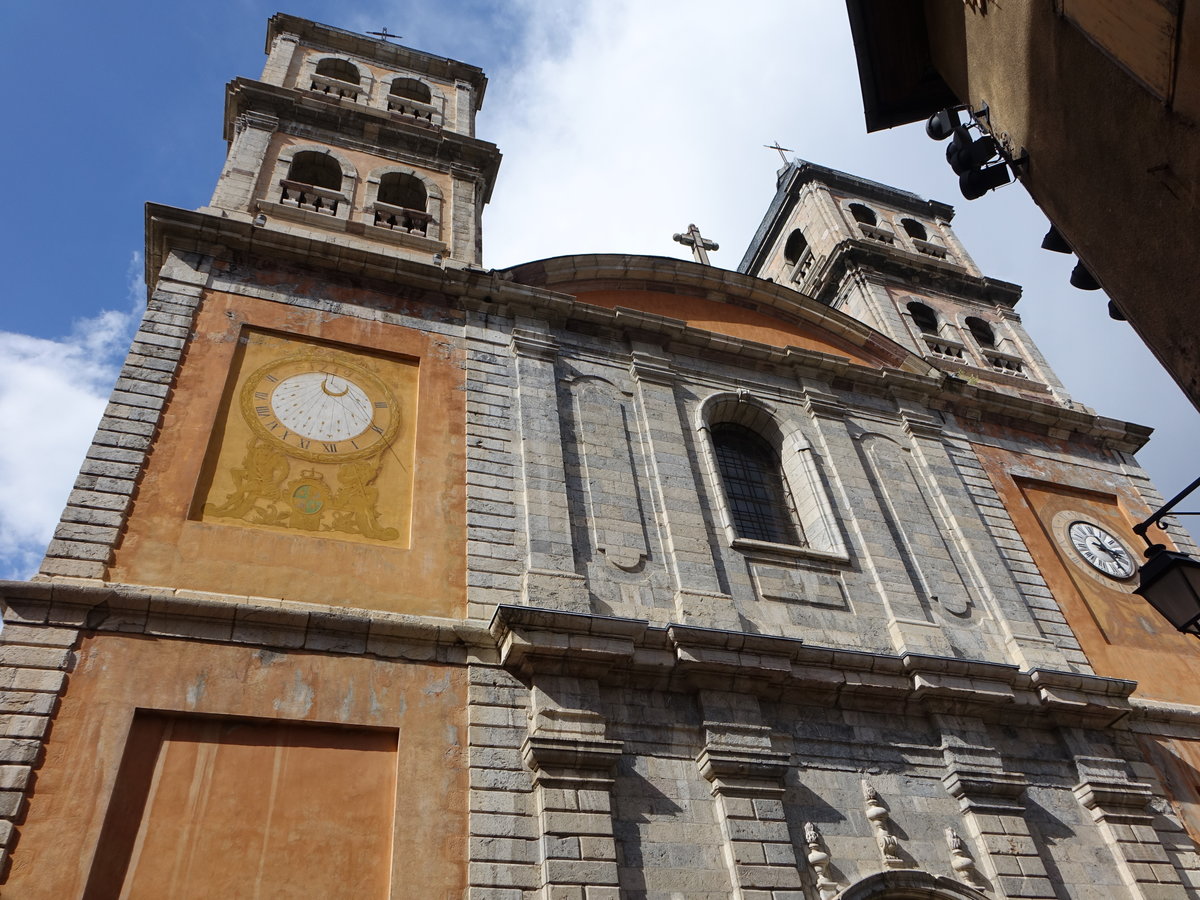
x=877, y=815
x=818, y=858
x=961, y=861
x=889, y=846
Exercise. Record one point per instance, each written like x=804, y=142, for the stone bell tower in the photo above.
x=891, y=259
x=360, y=142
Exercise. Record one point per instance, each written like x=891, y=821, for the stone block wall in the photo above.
x=645, y=774
x=108, y=479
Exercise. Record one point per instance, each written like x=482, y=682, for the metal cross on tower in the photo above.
x=384, y=34
x=699, y=244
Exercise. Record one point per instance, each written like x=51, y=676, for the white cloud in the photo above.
x=52, y=393
x=628, y=121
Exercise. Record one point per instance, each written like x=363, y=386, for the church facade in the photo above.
x=390, y=575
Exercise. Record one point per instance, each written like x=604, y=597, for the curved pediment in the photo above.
x=719, y=301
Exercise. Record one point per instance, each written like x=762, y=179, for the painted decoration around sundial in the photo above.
x=317, y=441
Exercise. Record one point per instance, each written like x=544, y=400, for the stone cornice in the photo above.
x=532, y=641
x=1163, y=718
x=326, y=37
x=261, y=621
x=855, y=254
x=222, y=237
x=631, y=651
x=598, y=271
x=340, y=123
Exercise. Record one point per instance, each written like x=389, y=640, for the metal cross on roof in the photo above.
x=699, y=244
x=782, y=150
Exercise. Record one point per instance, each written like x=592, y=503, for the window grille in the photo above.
x=753, y=482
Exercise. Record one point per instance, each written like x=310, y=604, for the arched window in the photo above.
x=402, y=189
x=982, y=332
x=318, y=169
x=795, y=246
x=413, y=100
x=863, y=214
x=915, y=229
x=411, y=89
x=923, y=317
x=752, y=479
x=402, y=204
x=340, y=69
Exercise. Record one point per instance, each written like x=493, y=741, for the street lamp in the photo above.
x=1170, y=581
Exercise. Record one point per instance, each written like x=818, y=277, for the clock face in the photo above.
x=320, y=408
x=1100, y=550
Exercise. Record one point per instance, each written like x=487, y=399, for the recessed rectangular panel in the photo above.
x=313, y=438
x=1096, y=550
x=221, y=808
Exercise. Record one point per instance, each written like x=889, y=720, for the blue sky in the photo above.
x=620, y=122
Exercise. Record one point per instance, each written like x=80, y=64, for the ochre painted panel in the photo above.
x=1119, y=633
x=725, y=318
x=210, y=515
x=305, y=745
x=1177, y=762
x=263, y=798
x=315, y=438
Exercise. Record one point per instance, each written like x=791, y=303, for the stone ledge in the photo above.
x=1129, y=798
x=743, y=771
x=106, y=607
x=634, y=652
x=1163, y=718
x=582, y=754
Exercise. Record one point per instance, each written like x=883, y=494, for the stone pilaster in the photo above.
x=244, y=161
x=1120, y=807
x=698, y=595
x=910, y=623
x=747, y=779
x=463, y=235
x=550, y=578
x=464, y=102
x=995, y=816
x=573, y=765
x=990, y=800
x=97, y=508
x=279, y=58
x=985, y=572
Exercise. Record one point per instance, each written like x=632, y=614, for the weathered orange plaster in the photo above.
x=364, y=164
x=163, y=546
x=389, y=751
x=1119, y=633
x=725, y=318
